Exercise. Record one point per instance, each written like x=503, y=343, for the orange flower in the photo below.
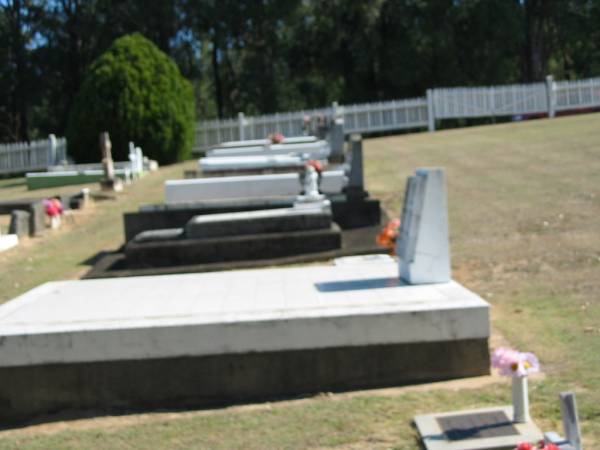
x=387, y=237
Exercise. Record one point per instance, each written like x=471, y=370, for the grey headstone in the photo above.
x=336, y=140
x=356, y=180
x=19, y=223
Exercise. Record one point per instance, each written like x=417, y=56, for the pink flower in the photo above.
x=513, y=363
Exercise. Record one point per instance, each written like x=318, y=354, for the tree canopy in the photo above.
x=265, y=56
x=136, y=93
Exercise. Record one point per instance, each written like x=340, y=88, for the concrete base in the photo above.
x=216, y=380
x=166, y=253
x=347, y=213
x=201, y=339
x=358, y=241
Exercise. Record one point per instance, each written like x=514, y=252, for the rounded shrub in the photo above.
x=136, y=93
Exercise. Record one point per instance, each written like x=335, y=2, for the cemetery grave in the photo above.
x=267, y=156
x=268, y=332
x=539, y=277
x=159, y=238
x=73, y=174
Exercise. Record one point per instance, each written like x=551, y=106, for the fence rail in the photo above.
x=440, y=103
x=36, y=155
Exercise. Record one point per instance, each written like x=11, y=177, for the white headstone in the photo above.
x=423, y=248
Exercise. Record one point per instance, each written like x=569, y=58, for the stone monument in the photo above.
x=110, y=181
x=423, y=247
x=336, y=140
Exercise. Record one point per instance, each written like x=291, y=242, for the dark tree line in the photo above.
x=263, y=56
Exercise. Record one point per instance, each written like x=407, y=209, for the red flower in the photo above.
x=525, y=446
x=277, y=138
x=316, y=165
x=387, y=237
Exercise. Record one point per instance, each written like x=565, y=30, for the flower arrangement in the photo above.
x=517, y=365
x=541, y=445
x=512, y=363
x=276, y=138
x=387, y=237
x=317, y=165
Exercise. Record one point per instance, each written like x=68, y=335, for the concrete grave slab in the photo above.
x=314, y=150
x=228, y=336
x=256, y=222
x=247, y=186
x=238, y=163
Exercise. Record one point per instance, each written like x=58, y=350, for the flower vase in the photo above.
x=520, y=399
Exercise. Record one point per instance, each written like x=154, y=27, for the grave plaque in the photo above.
x=423, y=247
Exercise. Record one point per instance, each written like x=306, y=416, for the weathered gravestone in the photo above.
x=423, y=247
x=19, y=223
x=110, y=181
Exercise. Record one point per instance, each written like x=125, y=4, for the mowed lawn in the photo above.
x=524, y=203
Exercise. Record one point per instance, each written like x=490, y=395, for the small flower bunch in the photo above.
x=53, y=207
x=387, y=237
x=276, y=138
x=512, y=363
x=541, y=445
x=317, y=165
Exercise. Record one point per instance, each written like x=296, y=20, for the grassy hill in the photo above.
x=524, y=203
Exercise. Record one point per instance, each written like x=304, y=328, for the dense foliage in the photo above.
x=136, y=93
x=264, y=56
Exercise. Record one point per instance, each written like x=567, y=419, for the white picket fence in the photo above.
x=440, y=103
x=23, y=157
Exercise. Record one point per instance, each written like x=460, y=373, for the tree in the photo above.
x=136, y=93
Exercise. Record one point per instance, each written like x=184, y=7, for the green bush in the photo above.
x=136, y=93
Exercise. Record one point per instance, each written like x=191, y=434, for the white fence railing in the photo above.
x=35, y=155
x=444, y=103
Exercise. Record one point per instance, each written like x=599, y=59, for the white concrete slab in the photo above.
x=8, y=241
x=246, y=186
x=332, y=181
x=263, y=142
x=216, y=163
x=233, y=312
x=315, y=150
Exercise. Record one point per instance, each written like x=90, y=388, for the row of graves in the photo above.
x=29, y=217
x=139, y=337
x=66, y=174
x=316, y=210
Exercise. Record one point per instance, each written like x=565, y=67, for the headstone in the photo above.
x=568, y=409
x=19, y=223
x=356, y=179
x=423, y=247
x=336, y=140
x=110, y=182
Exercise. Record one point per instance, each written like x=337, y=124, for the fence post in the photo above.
x=430, y=111
x=550, y=95
x=242, y=124
x=51, y=150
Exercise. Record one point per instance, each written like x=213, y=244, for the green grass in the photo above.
x=524, y=205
